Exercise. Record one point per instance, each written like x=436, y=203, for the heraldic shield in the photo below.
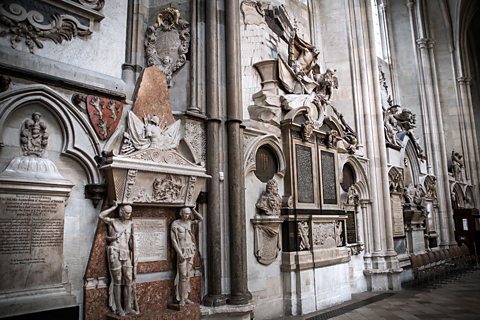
x=104, y=114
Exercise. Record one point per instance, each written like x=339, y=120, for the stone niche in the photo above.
x=33, y=196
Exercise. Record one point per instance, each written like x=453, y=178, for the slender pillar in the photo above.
x=128, y=69
x=214, y=295
x=236, y=178
x=382, y=179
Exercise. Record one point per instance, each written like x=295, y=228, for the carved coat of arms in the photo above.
x=104, y=114
x=167, y=42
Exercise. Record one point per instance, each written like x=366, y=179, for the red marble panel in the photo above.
x=152, y=96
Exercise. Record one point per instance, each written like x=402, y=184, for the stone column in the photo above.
x=468, y=120
x=432, y=118
x=128, y=69
x=236, y=178
x=214, y=295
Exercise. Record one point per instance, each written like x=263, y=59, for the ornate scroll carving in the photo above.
x=34, y=21
x=324, y=235
x=195, y=136
x=167, y=42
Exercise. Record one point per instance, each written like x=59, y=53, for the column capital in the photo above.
x=464, y=80
x=424, y=43
x=410, y=3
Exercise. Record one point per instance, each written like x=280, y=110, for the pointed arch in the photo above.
x=67, y=116
x=361, y=182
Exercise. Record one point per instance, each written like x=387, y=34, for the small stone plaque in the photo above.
x=329, y=180
x=351, y=227
x=397, y=213
x=150, y=239
x=31, y=241
x=304, y=174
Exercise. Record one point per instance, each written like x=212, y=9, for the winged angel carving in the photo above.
x=152, y=132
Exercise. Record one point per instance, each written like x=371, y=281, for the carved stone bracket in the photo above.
x=267, y=239
x=61, y=20
x=167, y=42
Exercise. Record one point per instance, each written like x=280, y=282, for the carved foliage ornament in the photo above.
x=167, y=42
x=34, y=21
x=104, y=114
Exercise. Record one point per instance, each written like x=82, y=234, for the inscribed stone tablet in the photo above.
x=304, y=174
x=329, y=179
x=397, y=213
x=150, y=239
x=31, y=241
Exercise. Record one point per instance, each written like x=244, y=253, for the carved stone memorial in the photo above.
x=267, y=224
x=33, y=196
x=167, y=42
x=152, y=176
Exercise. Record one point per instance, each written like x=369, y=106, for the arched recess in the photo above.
x=457, y=196
x=409, y=152
x=67, y=116
x=361, y=183
x=469, y=199
x=272, y=142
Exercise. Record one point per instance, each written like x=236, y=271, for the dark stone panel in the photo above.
x=304, y=174
x=329, y=179
x=64, y=313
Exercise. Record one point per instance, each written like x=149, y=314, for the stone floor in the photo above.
x=456, y=297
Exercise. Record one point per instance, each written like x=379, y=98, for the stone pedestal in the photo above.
x=414, y=218
x=33, y=196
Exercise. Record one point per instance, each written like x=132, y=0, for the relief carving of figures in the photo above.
x=167, y=189
x=396, y=180
x=33, y=136
x=270, y=202
x=353, y=198
x=152, y=132
x=45, y=21
x=431, y=186
x=104, y=115
x=303, y=235
x=121, y=260
x=457, y=166
x=414, y=195
x=167, y=42
x=339, y=233
x=391, y=126
x=397, y=120
x=324, y=235
x=183, y=242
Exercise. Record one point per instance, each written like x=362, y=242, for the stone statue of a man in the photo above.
x=183, y=242
x=120, y=255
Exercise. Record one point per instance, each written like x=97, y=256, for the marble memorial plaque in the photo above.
x=329, y=183
x=304, y=174
x=31, y=241
x=397, y=213
x=150, y=239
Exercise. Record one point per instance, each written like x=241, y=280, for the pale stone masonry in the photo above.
x=323, y=142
